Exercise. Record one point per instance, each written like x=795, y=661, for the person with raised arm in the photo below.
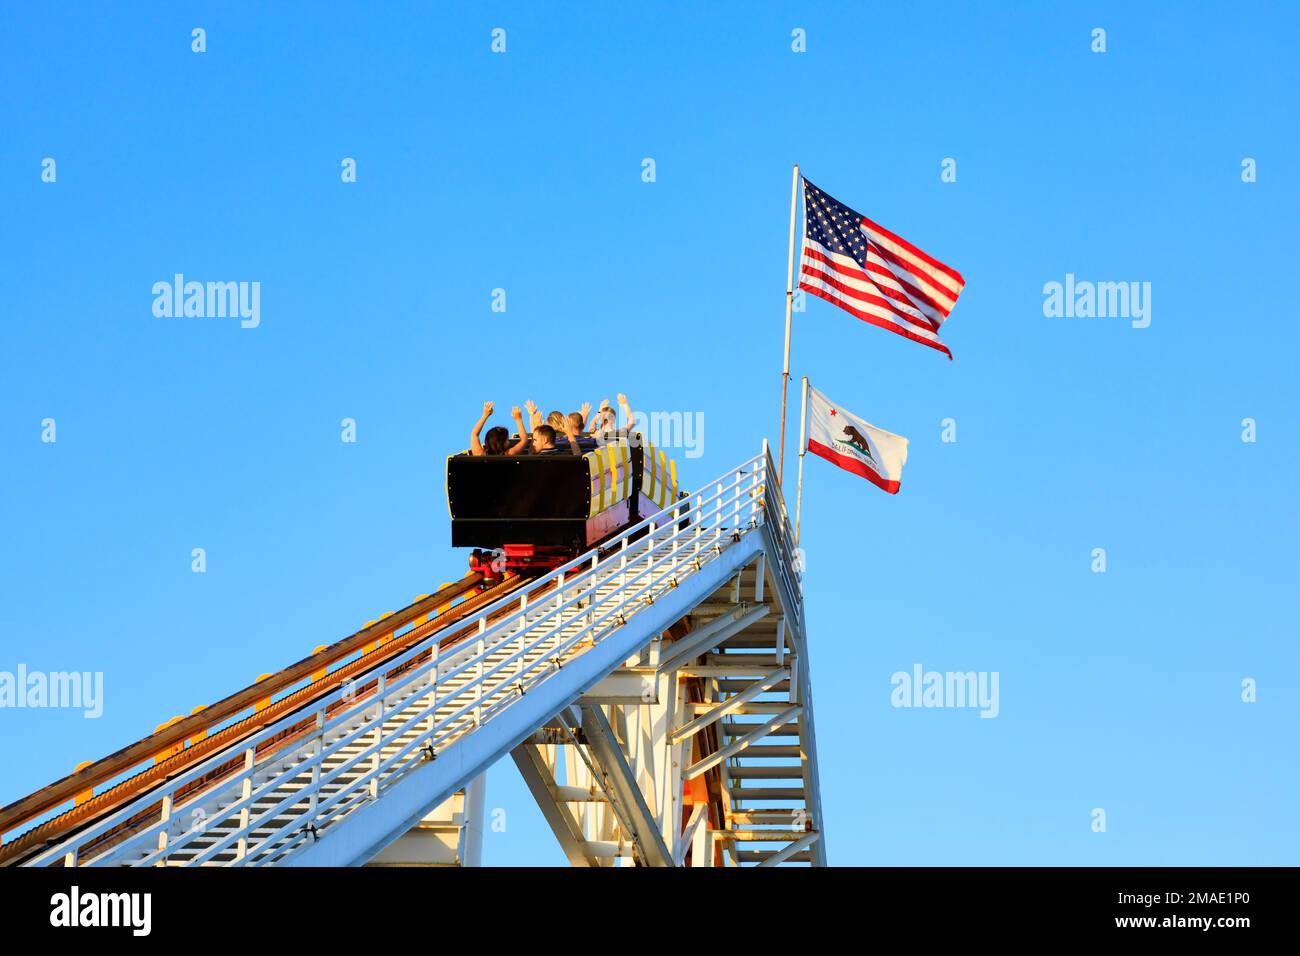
x=579, y=418
x=534, y=415
x=624, y=404
x=497, y=440
x=572, y=431
x=605, y=422
x=522, y=445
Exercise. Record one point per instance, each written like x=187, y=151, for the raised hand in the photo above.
x=516, y=413
x=585, y=410
x=487, y=408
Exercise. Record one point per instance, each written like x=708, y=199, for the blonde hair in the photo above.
x=556, y=421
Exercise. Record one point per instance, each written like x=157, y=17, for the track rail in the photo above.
x=209, y=730
x=333, y=765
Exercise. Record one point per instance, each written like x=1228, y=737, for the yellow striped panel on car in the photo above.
x=659, y=477
x=648, y=471
x=620, y=469
x=610, y=460
x=596, y=466
x=604, y=465
x=626, y=468
x=663, y=480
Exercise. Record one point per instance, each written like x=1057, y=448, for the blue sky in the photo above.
x=522, y=171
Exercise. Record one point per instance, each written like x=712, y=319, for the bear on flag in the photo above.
x=845, y=440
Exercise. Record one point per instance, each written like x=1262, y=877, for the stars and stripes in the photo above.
x=873, y=274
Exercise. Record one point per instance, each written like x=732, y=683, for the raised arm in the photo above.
x=585, y=412
x=627, y=410
x=602, y=423
x=522, y=445
x=571, y=433
x=534, y=414
x=475, y=445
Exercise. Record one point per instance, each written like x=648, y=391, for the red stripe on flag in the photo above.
x=849, y=463
x=871, y=318
x=915, y=290
x=868, y=298
x=927, y=259
x=920, y=319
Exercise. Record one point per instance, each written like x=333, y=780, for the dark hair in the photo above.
x=496, y=441
x=546, y=431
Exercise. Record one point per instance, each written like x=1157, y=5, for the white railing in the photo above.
x=426, y=698
x=789, y=570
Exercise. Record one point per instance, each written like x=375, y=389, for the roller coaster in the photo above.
x=638, y=652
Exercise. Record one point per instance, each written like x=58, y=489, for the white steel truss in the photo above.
x=638, y=688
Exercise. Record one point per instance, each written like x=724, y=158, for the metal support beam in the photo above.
x=780, y=856
x=608, y=753
x=625, y=686
x=699, y=817
x=731, y=705
x=537, y=775
x=736, y=746
x=716, y=632
x=472, y=822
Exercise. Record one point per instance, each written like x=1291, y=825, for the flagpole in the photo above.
x=789, y=302
x=798, y=497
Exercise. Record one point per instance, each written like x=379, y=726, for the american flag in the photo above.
x=873, y=274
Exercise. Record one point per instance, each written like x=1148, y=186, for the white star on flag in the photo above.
x=873, y=274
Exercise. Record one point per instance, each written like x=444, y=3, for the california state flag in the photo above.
x=844, y=439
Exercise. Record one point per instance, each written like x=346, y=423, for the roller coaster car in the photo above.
x=530, y=513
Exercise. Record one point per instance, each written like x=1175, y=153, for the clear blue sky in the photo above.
x=522, y=171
